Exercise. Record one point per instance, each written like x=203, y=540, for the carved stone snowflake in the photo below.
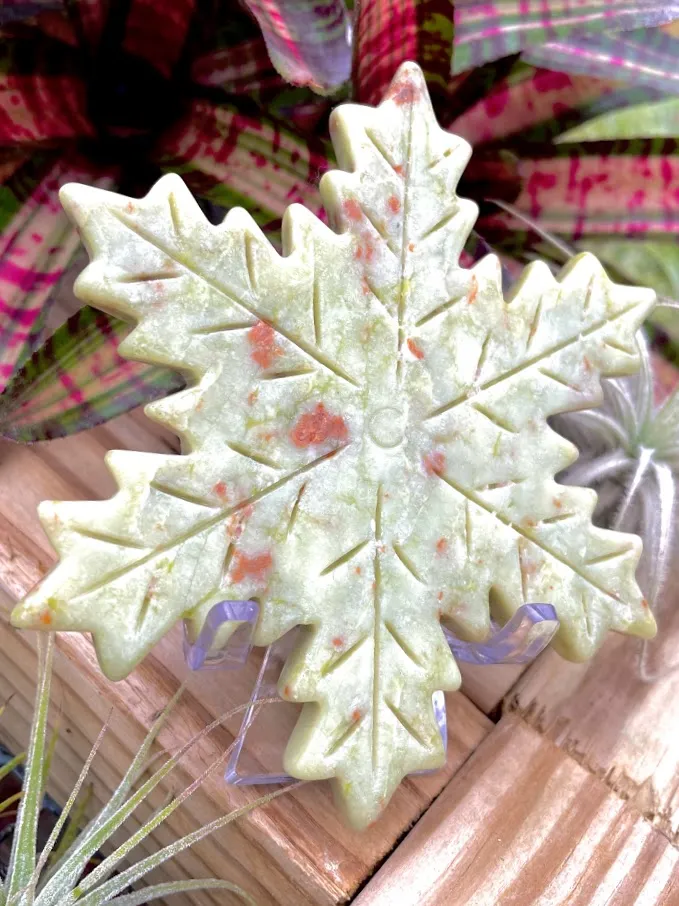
x=366, y=447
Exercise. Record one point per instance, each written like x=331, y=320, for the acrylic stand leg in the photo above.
x=519, y=641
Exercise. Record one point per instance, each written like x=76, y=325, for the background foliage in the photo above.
x=572, y=108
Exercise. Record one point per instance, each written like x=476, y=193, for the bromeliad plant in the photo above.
x=570, y=105
x=62, y=873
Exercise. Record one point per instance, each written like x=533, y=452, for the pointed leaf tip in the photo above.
x=407, y=86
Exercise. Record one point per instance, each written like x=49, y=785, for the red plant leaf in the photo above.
x=36, y=247
x=390, y=32
x=237, y=69
x=77, y=380
x=308, y=40
x=581, y=191
x=514, y=105
x=156, y=31
x=231, y=158
x=40, y=109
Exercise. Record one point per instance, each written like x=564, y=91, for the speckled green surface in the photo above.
x=366, y=445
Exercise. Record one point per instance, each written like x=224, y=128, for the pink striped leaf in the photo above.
x=390, y=32
x=234, y=159
x=485, y=31
x=43, y=98
x=36, y=247
x=245, y=69
x=77, y=380
x=622, y=188
x=238, y=69
x=539, y=104
x=308, y=40
x=642, y=56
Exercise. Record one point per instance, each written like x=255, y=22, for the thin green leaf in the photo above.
x=564, y=250
x=71, y=832
x=139, y=897
x=77, y=379
x=11, y=800
x=659, y=119
x=73, y=827
x=12, y=765
x=486, y=31
x=49, y=755
x=23, y=856
x=308, y=41
x=59, y=881
x=109, y=821
x=115, y=885
x=109, y=864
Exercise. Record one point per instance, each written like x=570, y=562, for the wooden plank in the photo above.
x=609, y=719
x=296, y=850
x=487, y=686
x=523, y=823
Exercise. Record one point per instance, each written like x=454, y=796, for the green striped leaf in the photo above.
x=77, y=379
x=487, y=31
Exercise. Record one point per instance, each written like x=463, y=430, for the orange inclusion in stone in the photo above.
x=255, y=567
x=317, y=426
x=404, y=93
x=220, y=489
x=434, y=463
x=262, y=338
x=394, y=204
x=441, y=546
x=415, y=349
x=352, y=209
x=45, y=619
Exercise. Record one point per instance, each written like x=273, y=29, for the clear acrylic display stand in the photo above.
x=519, y=641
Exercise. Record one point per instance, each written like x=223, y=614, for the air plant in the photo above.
x=56, y=875
x=631, y=457
x=236, y=99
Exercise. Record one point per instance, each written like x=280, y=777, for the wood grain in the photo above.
x=622, y=728
x=523, y=824
x=294, y=851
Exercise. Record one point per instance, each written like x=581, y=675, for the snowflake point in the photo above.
x=369, y=442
